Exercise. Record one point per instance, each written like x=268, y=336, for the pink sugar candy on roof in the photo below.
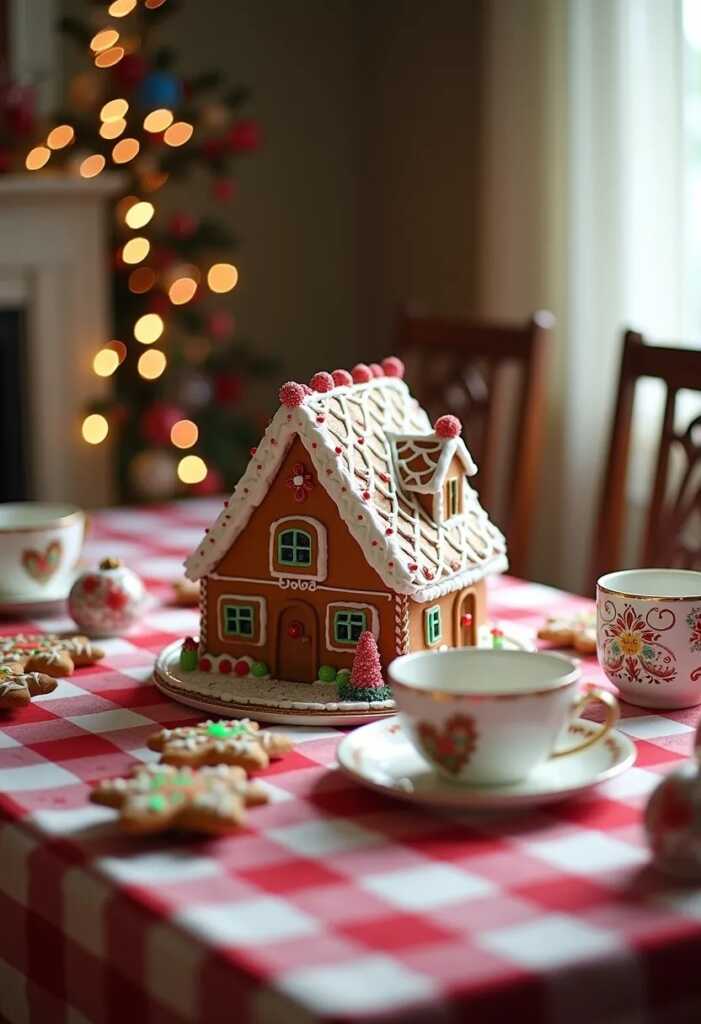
x=292, y=394
x=448, y=426
x=393, y=366
x=322, y=381
x=342, y=378
x=361, y=373
x=376, y=370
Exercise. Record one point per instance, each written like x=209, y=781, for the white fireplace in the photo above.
x=54, y=267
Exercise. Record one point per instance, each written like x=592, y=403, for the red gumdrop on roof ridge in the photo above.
x=361, y=373
x=448, y=426
x=321, y=381
x=393, y=366
x=342, y=378
x=292, y=394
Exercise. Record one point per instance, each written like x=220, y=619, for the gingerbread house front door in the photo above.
x=297, y=643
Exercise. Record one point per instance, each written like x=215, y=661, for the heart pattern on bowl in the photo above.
x=453, y=745
x=41, y=565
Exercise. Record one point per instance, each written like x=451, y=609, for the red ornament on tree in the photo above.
x=366, y=671
x=129, y=71
x=221, y=325
x=227, y=388
x=224, y=190
x=214, y=149
x=213, y=483
x=245, y=136
x=158, y=421
x=182, y=225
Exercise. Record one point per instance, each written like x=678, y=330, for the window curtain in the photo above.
x=582, y=213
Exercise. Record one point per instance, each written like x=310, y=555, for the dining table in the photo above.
x=332, y=903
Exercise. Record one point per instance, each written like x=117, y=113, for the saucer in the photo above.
x=380, y=756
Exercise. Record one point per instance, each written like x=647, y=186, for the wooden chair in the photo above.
x=669, y=538
x=465, y=368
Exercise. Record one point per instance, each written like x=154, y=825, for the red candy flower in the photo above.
x=301, y=481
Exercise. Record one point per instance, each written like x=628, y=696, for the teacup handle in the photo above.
x=612, y=712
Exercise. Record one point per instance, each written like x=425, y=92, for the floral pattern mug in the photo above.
x=649, y=635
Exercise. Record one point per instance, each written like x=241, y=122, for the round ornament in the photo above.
x=106, y=601
x=160, y=89
x=193, y=389
x=158, y=420
x=153, y=474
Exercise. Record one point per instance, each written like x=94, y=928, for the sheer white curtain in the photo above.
x=592, y=147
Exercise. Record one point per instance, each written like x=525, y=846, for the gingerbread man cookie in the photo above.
x=17, y=687
x=158, y=797
x=578, y=631
x=186, y=593
x=48, y=653
x=225, y=742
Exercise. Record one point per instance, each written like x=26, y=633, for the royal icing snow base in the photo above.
x=275, y=700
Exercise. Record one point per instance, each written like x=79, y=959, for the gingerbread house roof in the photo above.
x=351, y=433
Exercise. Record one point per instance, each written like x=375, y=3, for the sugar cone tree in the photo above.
x=366, y=680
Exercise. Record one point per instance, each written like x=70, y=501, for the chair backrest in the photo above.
x=672, y=531
x=463, y=367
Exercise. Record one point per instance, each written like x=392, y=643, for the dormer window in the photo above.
x=453, y=497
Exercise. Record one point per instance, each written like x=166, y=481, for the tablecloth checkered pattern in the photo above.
x=334, y=903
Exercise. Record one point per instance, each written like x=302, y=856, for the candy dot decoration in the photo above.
x=225, y=666
x=259, y=669
x=342, y=378
x=322, y=382
x=292, y=394
x=393, y=366
x=376, y=370
x=241, y=668
x=448, y=426
x=361, y=373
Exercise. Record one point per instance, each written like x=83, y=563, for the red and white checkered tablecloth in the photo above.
x=334, y=903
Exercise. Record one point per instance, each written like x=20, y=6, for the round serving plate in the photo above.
x=278, y=701
x=381, y=757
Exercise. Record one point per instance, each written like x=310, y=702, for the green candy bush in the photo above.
x=259, y=669
x=327, y=674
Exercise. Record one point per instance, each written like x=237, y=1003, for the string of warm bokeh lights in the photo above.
x=180, y=284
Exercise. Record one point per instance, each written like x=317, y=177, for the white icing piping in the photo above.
x=366, y=523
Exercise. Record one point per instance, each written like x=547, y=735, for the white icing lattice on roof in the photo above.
x=422, y=462
x=351, y=433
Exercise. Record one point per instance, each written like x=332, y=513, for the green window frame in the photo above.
x=432, y=625
x=348, y=625
x=239, y=620
x=294, y=547
x=452, y=496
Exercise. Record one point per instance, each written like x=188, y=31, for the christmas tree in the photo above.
x=179, y=376
x=366, y=681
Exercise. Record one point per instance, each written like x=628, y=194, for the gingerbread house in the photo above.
x=354, y=514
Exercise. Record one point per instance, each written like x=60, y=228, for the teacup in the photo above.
x=492, y=716
x=648, y=633
x=39, y=548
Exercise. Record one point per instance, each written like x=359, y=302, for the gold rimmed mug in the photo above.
x=648, y=634
x=490, y=717
x=40, y=544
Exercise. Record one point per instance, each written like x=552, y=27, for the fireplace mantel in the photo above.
x=55, y=264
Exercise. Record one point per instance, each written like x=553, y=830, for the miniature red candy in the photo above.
x=292, y=394
x=448, y=426
x=361, y=373
x=393, y=366
x=342, y=378
x=322, y=381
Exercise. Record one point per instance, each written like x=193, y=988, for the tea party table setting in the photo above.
x=357, y=890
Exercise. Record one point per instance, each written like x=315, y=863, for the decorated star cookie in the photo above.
x=48, y=653
x=17, y=688
x=225, y=742
x=578, y=631
x=159, y=797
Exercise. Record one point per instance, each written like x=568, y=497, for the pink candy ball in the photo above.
x=322, y=381
x=448, y=426
x=393, y=366
x=292, y=394
x=376, y=370
x=361, y=373
x=342, y=378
